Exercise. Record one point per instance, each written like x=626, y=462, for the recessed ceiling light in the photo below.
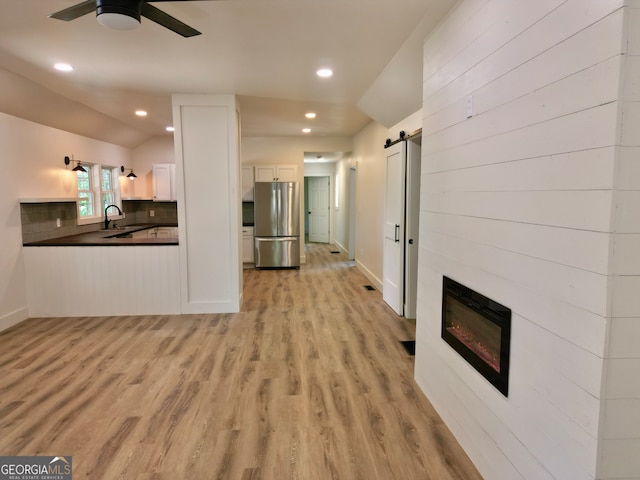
x=310, y=115
x=324, y=72
x=170, y=129
x=306, y=130
x=141, y=113
x=63, y=67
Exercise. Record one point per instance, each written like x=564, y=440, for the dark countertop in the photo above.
x=100, y=238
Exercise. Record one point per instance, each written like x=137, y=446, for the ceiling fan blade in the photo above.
x=76, y=11
x=156, y=15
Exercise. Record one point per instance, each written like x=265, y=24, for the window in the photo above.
x=107, y=187
x=98, y=187
x=85, y=194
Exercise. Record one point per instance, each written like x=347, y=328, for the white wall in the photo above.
x=342, y=219
x=369, y=157
x=32, y=166
x=517, y=204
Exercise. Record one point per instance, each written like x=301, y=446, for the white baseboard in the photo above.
x=13, y=318
x=340, y=246
x=367, y=273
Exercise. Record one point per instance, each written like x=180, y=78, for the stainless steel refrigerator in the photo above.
x=277, y=224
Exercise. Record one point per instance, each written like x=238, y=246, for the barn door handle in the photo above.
x=397, y=239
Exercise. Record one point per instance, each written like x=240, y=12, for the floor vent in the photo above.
x=335, y=251
x=369, y=287
x=409, y=346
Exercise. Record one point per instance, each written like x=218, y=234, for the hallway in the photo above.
x=309, y=381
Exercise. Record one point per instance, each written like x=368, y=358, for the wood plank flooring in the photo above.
x=308, y=382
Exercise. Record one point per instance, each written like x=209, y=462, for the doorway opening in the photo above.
x=317, y=218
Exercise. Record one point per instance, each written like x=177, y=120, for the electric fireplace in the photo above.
x=479, y=329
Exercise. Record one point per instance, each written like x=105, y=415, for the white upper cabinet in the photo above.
x=276, y=173
x=164, y=182
x=247, y=184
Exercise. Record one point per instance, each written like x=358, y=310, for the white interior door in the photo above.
x=393, y=248
x=318, y=209
x=412, y=230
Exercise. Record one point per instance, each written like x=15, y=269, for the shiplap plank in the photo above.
x=485, y=40
x=587, y=129
x=623, y=418
x=553, y=29
x=628, y=169
x=587, y=48
x=623, y=338
x=630, y=124
x=627, y=215
x=620, y=459
x=633, y=36
x=593, y=86
x=443, y=47
x=583, y=210
x=631, y=66
x=574, y=248
x=592, y=169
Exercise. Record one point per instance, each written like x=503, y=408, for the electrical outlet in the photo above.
x=58, y=222
x=152, y=213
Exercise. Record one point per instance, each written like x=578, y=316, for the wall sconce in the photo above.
x=77, y=168
x=131, y=175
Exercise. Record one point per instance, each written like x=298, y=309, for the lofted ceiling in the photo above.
x=264, y=51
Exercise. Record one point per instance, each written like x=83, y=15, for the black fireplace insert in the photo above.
x=479, y=329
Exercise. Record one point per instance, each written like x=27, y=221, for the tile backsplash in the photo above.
x=39, y=220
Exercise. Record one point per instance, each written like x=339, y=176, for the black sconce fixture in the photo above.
x=78, y=167
x=131, y=175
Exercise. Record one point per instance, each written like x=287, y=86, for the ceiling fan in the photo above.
x=125, y=14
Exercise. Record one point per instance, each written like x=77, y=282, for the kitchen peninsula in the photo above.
x=80, y=273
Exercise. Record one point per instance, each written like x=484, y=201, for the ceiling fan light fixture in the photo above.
x=118, y=21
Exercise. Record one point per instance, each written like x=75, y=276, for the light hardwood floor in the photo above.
x=308, y=382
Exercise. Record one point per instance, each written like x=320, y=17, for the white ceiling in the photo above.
x=264, y=51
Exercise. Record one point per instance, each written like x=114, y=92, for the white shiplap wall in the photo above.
x=517, y=203
x=620, y=432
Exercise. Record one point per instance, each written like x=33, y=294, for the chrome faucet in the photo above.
x=106, y=218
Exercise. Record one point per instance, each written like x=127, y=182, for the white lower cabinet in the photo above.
x=247, y=245
x=164, y=232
